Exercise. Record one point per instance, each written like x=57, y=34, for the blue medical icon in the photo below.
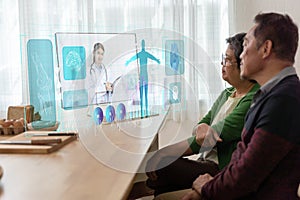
x=98, y=115
x=41, y=78
x=174, y=54
x=110, y=114
x=143, y=57
x=121, y=111
x=174, y=57
x=74, y=62
x=174, y=92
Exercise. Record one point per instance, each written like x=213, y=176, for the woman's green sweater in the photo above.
x=230, y=128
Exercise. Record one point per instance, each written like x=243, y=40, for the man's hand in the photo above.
x=191, y=195
x=206, y=136
x=200, y=181
x=195, y=194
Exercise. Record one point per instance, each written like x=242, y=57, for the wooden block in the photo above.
x=17, y=112
x=34, y=149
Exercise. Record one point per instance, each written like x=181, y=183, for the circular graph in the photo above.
x=110, y=114
x=121, y=111
x=98, y=115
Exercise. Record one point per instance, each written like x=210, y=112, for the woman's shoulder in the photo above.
x=228, y=91
x=254, y=89
x=252, y=92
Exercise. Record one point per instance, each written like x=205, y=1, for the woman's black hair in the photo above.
x=236, y=43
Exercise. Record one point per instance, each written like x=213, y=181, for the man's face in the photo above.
x=250, y=59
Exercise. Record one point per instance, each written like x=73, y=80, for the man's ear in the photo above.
x=266, y=48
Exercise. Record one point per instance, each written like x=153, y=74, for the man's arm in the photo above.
x=245, y=175
x=255, y=160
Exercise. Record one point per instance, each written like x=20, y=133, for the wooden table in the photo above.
x=77, y=171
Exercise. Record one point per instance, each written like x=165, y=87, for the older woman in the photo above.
x=168, y=170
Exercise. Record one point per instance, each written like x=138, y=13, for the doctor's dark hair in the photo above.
x=96, y=47
x=236, y=44
x=281, y=30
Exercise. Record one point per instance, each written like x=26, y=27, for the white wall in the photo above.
x=242, y=13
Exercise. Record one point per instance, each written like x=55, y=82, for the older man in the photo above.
x=266, y=162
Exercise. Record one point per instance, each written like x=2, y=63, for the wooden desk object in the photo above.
x=72, y=173
x=40, y=149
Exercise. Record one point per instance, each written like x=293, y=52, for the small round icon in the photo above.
x=121, y=111
x=98, y=115
x=110, y=114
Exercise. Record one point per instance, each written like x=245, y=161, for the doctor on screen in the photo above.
x=99, y=88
